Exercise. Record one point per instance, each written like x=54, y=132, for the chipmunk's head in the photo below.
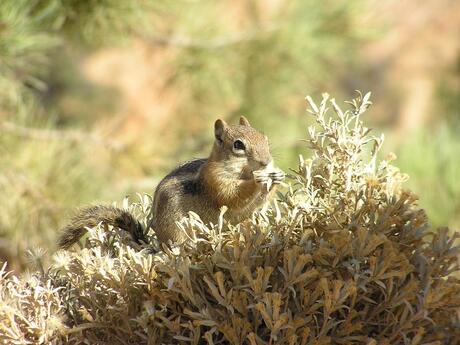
x=241, y=148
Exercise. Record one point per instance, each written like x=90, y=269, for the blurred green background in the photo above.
x=100, y=98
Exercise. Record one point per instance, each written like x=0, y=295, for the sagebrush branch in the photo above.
x=64, y=135
x=216, y=43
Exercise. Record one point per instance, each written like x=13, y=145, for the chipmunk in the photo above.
x=239, y=174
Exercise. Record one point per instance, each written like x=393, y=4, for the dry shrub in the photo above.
x=31, y=311
x=344, y=256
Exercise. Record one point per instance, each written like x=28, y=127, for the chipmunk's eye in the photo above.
x=239, y=145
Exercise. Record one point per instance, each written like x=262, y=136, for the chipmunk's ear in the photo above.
x=244, y=121
x=219, y=128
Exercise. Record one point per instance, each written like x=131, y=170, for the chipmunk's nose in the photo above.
x=265, y=162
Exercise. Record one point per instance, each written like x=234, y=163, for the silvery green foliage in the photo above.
x=343, y=256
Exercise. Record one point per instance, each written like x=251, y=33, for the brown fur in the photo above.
x=91, y=217
x=203, y=186
x=224, y=179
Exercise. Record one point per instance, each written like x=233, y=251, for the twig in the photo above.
x=53, y=134
x=221, y=42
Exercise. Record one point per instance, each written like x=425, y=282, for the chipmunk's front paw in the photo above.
x=268, y=179
x=277, y=176
x=263, y=178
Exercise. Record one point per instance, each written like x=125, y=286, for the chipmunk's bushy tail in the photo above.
x=92, y=216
